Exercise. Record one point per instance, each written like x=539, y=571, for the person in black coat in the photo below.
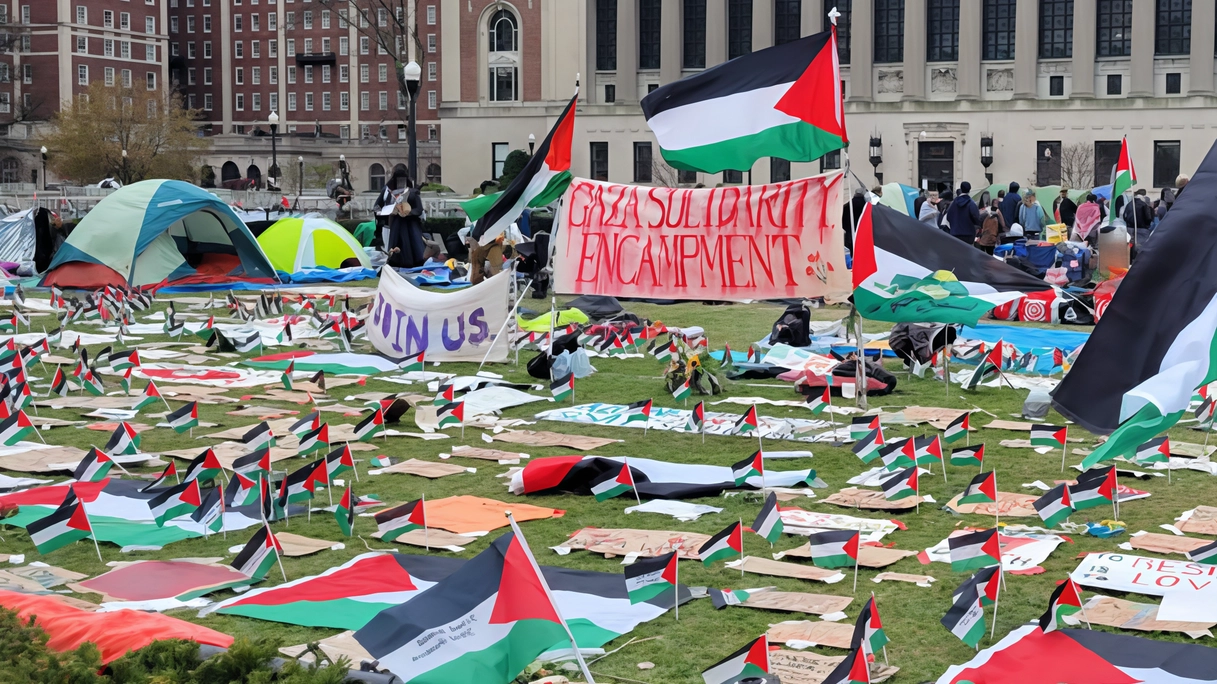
x=1066, y=208
x=850, y=213
x=406, y=247
x=1009, y=205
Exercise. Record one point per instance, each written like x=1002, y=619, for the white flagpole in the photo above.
x=876, y=608
x=741, y=547
x=92, y=532
x=996, y=501
x=633, y=485
x=426, y=532
x=676, y=589
x=1083, y=606
x=278, y=556
x=856, y=561
x=997, y=600
x=548, y=594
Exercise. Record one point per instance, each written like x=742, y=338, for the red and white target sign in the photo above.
x=1040, y=307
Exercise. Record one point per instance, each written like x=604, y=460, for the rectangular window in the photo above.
x=325, y=101
x=739, y=28
x=998, y=33
x=1106, y=155
x=207, y=102
x=149, y=24
x=364, y=45
x=344, y=73
x=344, y=46
x=190, y=100
x=382, y=17
x=25, y=14
x=206, y=75
x=430, y=15
x=237, y=22
x=124, y=49
x=27, y=73
x=503, y=84
x=1174, y=83
x=606, y=35
x=207, y=49
x=1166, y=163
x=255, y=75
x=308, y=19
x=498, y=157
x=610, y=93
x=344, y=100
x=431, y=42
x=779, y=170
x=149, y=53
x=291, y=47
x=124, y=21
x=127, y=78
x=942, y=31
x=238, y=49
x=308, y=102
x=255, y=24
x=383, y=100
x=272, y=21
x=191, y=75
x=643, y=166
x=256, y=102
x=289, y=20
x=889, y=31
x=733, y=177
x=272, y=48
x=787, y=21
x=599, y=157
x=325, y=45
x=830, y=161
x=107, y=17
x=308, y=46
x=1056, y=29
x=1056, y=86
x=6, y=104
x=325, y=19
x=363, y=73
x=240, y=75
x=432, y=71
x=684, y=177
x=82, y=14
x=1114, y=21
x=1048, y=162
x=694, y=53
x=273, y=101
x=206, y=22
x=109, y=75
x=382, y=72
x=273, y=75
x=190, y=50
x=1173, y=28
x=649, y=34
x=365, y=102
x=432, y=102
x=107, y=47
x=151, y=80
x=1114, y=84
x=325, y=73
x=308, y=73
x=240, y=102
x=255, y=49
x=82, y=45
x=291, y=102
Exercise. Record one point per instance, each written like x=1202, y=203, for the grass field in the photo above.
x=920, y=646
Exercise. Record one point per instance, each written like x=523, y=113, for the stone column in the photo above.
x=1142, y=65
x=1027, y=48
x=627, y=51
x=670, y=41
x=716, y=32
x=1200, y=70
x=1083, y=48
x=914, y=49
x=813, y=19
x=862, y=51
x=967, y=73
x=762, y=24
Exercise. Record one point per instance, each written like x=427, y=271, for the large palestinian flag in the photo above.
x=907, y=272
x=340, y=363
x=1126, y=175
x=1155, y=342
x=751, y=661
x=785, y=101
x=542, y=180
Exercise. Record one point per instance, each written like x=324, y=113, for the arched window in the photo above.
x=376, y=178
x=401, y=170
x=11, y=170
x=229, y=172
x=504, y=57
x=503, y=32
x=253, y=172
x=433, y=173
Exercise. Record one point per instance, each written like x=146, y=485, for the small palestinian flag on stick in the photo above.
x=414, y=363
x=649, y=578
x=1055, y=506
x=747, y=422
x=204, y=467
x=639, y=411
x=371, y=426
x=835, y=549
x=754, y=465
x=750, y=662
x=163, y=479
x=667, y=352
x=1066, y=600
x=1206, y=554
x=260, y=554
x=974, y=550
x=768, y=522
x=859, y=427
x=174, y=501
x=259, y=437
x=396, y=521
x=868, y=447
x=149, y=397
x=982, y=489
x=868, y=630
x=682, y=391
x=615, y=484
x=185, y=418
x=125, y=381
x=345, y=513
x=66, y=524
x=93, y=467
x=958, y=429
x=446, y=395
x=59, y=385
x=853, y=670
x=93, y=384
x=1157, y=450
x=563, y=388
x=286, y=378
x=123, y=441
x=696, y=422
x=821, y=403
x=968, y=456
x=314, y=440
x=1050, y=436
x=1095, y=487
x=725, y=544
x=901, y=485
x=966, y=620
x=254, y=464
x=452, y=414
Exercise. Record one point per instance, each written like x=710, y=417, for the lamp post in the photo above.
x=300, y=162
x=44, y=168
x=124, y=171
x=986, y=156
x=876, y=156
x=273, y=119
x=411, y=73
x=532, y=143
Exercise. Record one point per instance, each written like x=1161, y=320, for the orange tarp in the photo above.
x=465, y=514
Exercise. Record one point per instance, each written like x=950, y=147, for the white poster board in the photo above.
x=448, y=326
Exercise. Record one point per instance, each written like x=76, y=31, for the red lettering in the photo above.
x=1166, y=566
x=1149, y=563
x=783, y=243
x=1198, y=587
x=652, y=195
x=617, y=252
x=732, y=260
x=1138, y=577
x=613, y=220
x=729, y=200
x=710, y=257
x=585, y=257
x=682, y=254
x=763, y=259
x=1167, y=581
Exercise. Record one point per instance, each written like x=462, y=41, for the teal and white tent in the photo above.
x=155, y=231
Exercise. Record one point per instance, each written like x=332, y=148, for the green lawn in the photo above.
x=920, y=646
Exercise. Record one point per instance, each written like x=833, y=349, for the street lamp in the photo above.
x=411, y=73
x=273, y=119
x=44, y=168
x=532, y=143
x=986, y=156
x=300, y=162
x=876, y=156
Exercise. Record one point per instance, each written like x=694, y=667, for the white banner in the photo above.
x=1142, y=575
x=1019, y=552
x=450, y=326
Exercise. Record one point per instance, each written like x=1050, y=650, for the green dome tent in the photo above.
x=301, y=242
x=158, y=231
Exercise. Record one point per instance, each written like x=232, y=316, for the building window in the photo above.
x=107, y=47
x=382, y=73
x=430, y=15
x=889, y=31
x=1106, y=155
x=503, y=33
x=431, y=42
x=344, y=101
x=432, y=103
x=291, y=102
x=257, y=101
x=126, y=73
x=845, y=7
x=240, y=75
x=240, y=100
x=365, y=102
x=255, y=24
x=206, y=23
x=733, y=177
x=82, y=14
x=599, y=157
x=149, y=24
x=238, y=49
x=606, y=35
x=498, y=155
x=308, y=20
x=1166, y=163
x=325, y=73
x=190, y=50
x=503, y=84
x=1048, y=163
x=82, y=74
x=206, y=75
x=255, y=49
x=642, y=162
x=207, y=102
x=1056, y=29
x=1056, y=86
x=432, y=71
x=108, y=74
x=207, y=49
x=325, y=101
x=650, y=15
x=610, y=93
x=236, y=22
x=363, y=73
x=942, y=31
x=787, y=21
x=830, y=161
x=82, y=45
x=1174, y=83
x=1115, y=28
x=255, y=75
x=124, y=21
x=308, y=73
x=12, y=170
x=1114, y=83
x=27, y=73
x=344, y=73
x=739, y=28
x=272, y=21
x=383, y=100
x=694, y=54
x=191, y=76
x=325, y=19
x=779, y=170
x=107, y=17
x=308, y=102
x=1173, y=28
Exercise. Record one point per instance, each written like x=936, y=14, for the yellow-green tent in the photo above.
x=296, y=243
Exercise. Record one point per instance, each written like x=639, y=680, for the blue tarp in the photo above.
x=312, y=275
x=1026, y=338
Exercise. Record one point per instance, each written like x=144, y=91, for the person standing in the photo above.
x=1009, y=205
x=992, y=227
x=963, y=215
x=928, y=214
x=1086, y=221
x=850, y=213
x=406, y=247
x=1030, y=216
x=1066, y=209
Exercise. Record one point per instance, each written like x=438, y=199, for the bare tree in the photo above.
x=663, y=175
x=1077, y=165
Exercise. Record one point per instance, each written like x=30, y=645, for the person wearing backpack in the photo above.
x=992, y=227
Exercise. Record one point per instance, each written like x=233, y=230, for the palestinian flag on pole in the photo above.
x=768, y=522
x=371, y=426
x=446, y=395
x=66, y=524
x=1126, y=175
x=174, y=501
x=984, y=584
x=966, y=620
x=396, y=521
x=1055, y=505
x=210, y=513
x=667, y=352
x=754, y=465
x=868, y=446
x=785, y=101
x=150, y=396
x=59, y=385
x=697, y=418
x=1157, y=450
x=542, y=180
x=1066, y=600
x=125, y=381
x=725, y=544
x=253, y=464
x=563, y=387
x=307, y=424
x=982, y=489
x=260, y=554
x=244, y=491
x=614, y=484
x=204, y=468
x=123, y=360
x=818, y=404
x=650, y=578
x=163, y=479
x=682, y=391
x=499, y=604
x=93, y=384
x=747, y=422
x=261, y=436
x=1095, y=487
x=1164, y=318
x=414, y=363
x=958, y=429
x=861, y=426
x=928, y=450
x=901, y=485
x=853, y=670
x=750, y=662
x=899, y=454
x=208, y=328
x=968, y=456
x=906, y=272
x=286, y=378
x=345, y=513
x=638, y=411
x=990, y=364
x=93, y=467
x=1206, y=554
x=123, y=441
x=451, y=414
x=1049, y=435
x=314, y=440
x=868, y=630
x=339, y=461
x=184, y=418
x=834, y=548
x=974, y=550
x=15, y=428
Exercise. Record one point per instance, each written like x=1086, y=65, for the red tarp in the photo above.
x=114, y=633
x=149, y=580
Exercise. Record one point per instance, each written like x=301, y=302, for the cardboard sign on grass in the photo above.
x=1143, y=617
x=795, y=602
x=818, y=632
x=1009, y=504
x=869, y=555
x=804, y=667
x=764, y=566
x=642, y=543
x=869, y=499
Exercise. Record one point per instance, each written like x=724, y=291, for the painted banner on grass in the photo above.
x=730, y=243
x=448, y=326
x=677, y=420
x=1142, y=575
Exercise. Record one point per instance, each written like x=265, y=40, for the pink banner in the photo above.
x=731, y=243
